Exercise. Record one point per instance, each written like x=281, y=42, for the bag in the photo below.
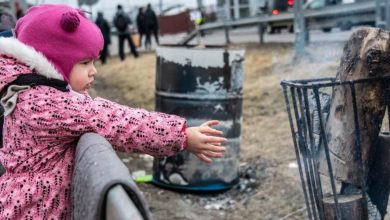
x=29, y=80
x=136, y=39
x=121, y=22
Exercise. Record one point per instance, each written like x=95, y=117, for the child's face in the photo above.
x=82, y=75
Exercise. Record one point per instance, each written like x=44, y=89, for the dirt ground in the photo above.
x=269, y=185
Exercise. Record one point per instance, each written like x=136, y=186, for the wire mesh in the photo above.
x=308, y=104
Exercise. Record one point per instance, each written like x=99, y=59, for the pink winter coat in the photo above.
x=40, y=135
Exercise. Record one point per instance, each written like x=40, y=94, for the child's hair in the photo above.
x=62, y=34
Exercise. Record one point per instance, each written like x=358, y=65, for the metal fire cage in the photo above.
x=308, y=104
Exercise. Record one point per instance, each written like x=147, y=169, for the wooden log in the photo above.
x=366, y=55
x=351, y=207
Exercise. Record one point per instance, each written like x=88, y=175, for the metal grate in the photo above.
x=308, y=105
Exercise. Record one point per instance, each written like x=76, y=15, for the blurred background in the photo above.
x=179, y=11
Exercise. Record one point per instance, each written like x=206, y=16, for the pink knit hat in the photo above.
x=62, y=34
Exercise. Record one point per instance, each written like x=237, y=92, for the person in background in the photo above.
x=19, y=10
x=151, y=23
x=122, y=22
x=104, y=27
x=201, y=20
x=7, y=21
x=43, y=124
x=141, y=27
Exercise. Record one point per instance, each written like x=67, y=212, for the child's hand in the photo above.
x=203, y=141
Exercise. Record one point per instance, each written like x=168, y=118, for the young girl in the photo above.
x=42, y=127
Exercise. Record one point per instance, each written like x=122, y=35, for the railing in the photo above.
x=329, y=12
x=102, y=186
x=119, y=205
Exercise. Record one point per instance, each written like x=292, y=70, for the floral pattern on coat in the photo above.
x=40, y=135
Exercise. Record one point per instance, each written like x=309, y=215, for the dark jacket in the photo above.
x=141, y=23
x=151, y=19
x=104, y=28
x=129, y=22
x=7, y=21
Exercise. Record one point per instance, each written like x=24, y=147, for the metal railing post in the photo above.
x=227, y=34
x=382, y=14
x=387, y=15
x=260, y=27
x=299, y=28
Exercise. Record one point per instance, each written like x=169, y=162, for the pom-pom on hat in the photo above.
x=62, y=34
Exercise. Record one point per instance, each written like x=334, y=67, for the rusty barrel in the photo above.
x=200, y=84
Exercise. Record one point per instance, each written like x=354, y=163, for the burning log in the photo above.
x=366, y=55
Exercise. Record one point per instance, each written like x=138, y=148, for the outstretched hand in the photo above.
x=205, y=142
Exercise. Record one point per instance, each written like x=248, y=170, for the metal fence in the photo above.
x=370, y=11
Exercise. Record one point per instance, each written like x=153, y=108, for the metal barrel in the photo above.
x=200, y=84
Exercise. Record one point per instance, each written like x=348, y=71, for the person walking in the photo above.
x=151, y=23
x=7, y=21
x=45, y=117
x=104, y=27
x=141, y=27
x=122, y=22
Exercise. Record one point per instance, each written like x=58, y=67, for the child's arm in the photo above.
x=203, y=141
x=137, y=130
x=127, y=129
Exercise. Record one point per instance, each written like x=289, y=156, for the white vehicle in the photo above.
x=351, y=13
x=345, y=20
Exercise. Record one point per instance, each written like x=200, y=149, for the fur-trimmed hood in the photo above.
x=28, y=60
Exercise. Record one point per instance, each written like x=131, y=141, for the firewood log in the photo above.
x=350, y=206
x=366, y=55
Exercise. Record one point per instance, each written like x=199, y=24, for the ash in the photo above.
x=251, y=174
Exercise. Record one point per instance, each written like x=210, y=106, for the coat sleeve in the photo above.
x=127, y=129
